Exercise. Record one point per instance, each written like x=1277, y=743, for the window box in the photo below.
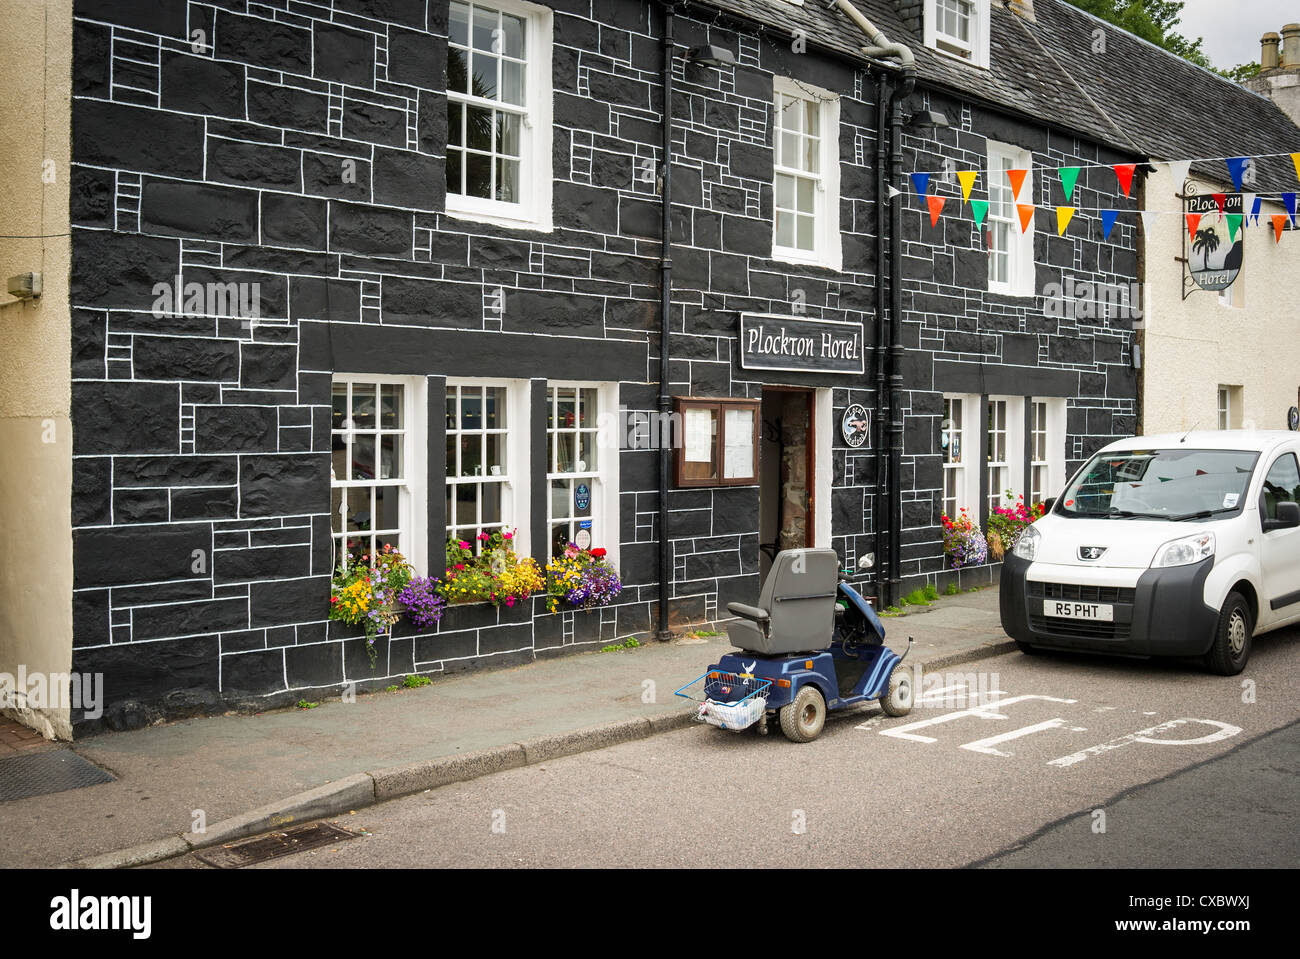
x=718, y=442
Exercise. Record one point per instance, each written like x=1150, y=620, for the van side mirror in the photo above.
x=1048, y=504
x=1288, y=517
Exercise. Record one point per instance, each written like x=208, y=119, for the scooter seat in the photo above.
x=796, y=609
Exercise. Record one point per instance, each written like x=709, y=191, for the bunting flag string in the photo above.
x=967, y=180
x=1069, y=177
x=1017, y=178
x=979, y=209
x=1279, y=224
x=936, y=208
x=1124, y=170
x=1064, y=214
x=1124, y=173
x=1108, y=218
x=1026, y=212
x=1193, y=221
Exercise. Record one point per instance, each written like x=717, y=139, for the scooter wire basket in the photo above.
x=730, y=700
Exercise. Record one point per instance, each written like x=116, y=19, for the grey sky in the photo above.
x=1231, y=30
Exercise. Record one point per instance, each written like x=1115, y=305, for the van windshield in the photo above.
x=1160, y=484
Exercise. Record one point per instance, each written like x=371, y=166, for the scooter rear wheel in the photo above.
x=803, y=719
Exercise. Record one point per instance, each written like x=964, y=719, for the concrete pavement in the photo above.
x=248, y=772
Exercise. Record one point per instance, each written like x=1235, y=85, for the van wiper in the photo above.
x=1204, y=514
x=1129, y=514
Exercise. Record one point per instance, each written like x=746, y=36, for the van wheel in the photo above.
x=802, y=720
x=1231, y=648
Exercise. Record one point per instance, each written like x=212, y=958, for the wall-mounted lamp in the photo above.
x=25, y=286
x=927, y=120
x=710, y=56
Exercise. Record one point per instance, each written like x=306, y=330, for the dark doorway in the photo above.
x=786, y=473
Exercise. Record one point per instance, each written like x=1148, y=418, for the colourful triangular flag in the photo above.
x=1256, y=202
x=1220, y=200
x=1149, y=221
x=922, y=183
x=1026, y=211
x=1064, y=214
x=1289, y=200
x=1193, y=221
x=979, y=209
x=1295, y=158
x=1179, y=169
x=1234, y=225
x=893, y=190
x=1237, y=167
x=1017, y=178
x=936, y=207
x=1069, y=177
x=967, y=180
x=1108, y=221
x=1125, y=171
x=1279, y=224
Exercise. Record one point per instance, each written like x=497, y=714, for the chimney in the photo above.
x=1268, y=55
x=1291, y=45
x=1023, y=8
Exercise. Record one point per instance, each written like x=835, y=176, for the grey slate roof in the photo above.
x=1135, y=97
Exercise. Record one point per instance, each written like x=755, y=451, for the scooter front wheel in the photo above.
x=896, y=700
x=802, y=720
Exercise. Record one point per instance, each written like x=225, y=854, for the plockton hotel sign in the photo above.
x=799, y=343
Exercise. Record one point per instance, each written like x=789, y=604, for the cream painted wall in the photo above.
x=35, y=344
x=1193, y=345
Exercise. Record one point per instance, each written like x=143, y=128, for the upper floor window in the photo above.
x=499, y=113
x=959, y=28
x=1011, y=249
x=806, y=175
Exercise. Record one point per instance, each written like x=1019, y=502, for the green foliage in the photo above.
x=619, y=647
x=304, y=704
x=391, y=689
x=953, y=589
x=930, y=592
x=415, y=682
x=920, y=597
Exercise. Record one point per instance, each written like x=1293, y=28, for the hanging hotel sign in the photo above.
x=800, y=344
x=1214, y=239
x=855, y=426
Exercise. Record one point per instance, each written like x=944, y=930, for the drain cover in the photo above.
x=274, y=845
x=47, y=772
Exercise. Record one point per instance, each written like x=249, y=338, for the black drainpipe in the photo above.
x=881, y=572
x=663, y=633
x=900, y=94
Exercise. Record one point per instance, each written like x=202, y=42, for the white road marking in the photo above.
x=982, y=712
x=987, y=745
x=1224, y=731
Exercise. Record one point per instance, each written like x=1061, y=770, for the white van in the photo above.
x=1178, y=545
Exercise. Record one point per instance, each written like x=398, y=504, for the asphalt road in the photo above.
x=1074, y=761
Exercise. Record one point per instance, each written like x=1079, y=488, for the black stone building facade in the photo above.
x=304, y=148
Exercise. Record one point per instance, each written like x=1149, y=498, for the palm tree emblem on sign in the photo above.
x=1206, y=242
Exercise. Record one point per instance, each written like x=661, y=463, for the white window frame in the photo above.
x=1229, y=406
x=536, y=173
x=975, y=50
x=413, y=523
x=1234, y=296
x=603, y=480
x=1020, y=246
x=966, y=491
x=828, y=248
x=1012, y=464
x=517, y=481
x=1052, y=460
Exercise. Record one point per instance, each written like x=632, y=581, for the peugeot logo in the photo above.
x=1091, y=552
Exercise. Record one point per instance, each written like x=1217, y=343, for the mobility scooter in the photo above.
x=811, y=644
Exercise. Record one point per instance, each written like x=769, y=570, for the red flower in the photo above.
x=598, y=553
x=460, y=566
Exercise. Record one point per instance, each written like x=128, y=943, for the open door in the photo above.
x=787, y=473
